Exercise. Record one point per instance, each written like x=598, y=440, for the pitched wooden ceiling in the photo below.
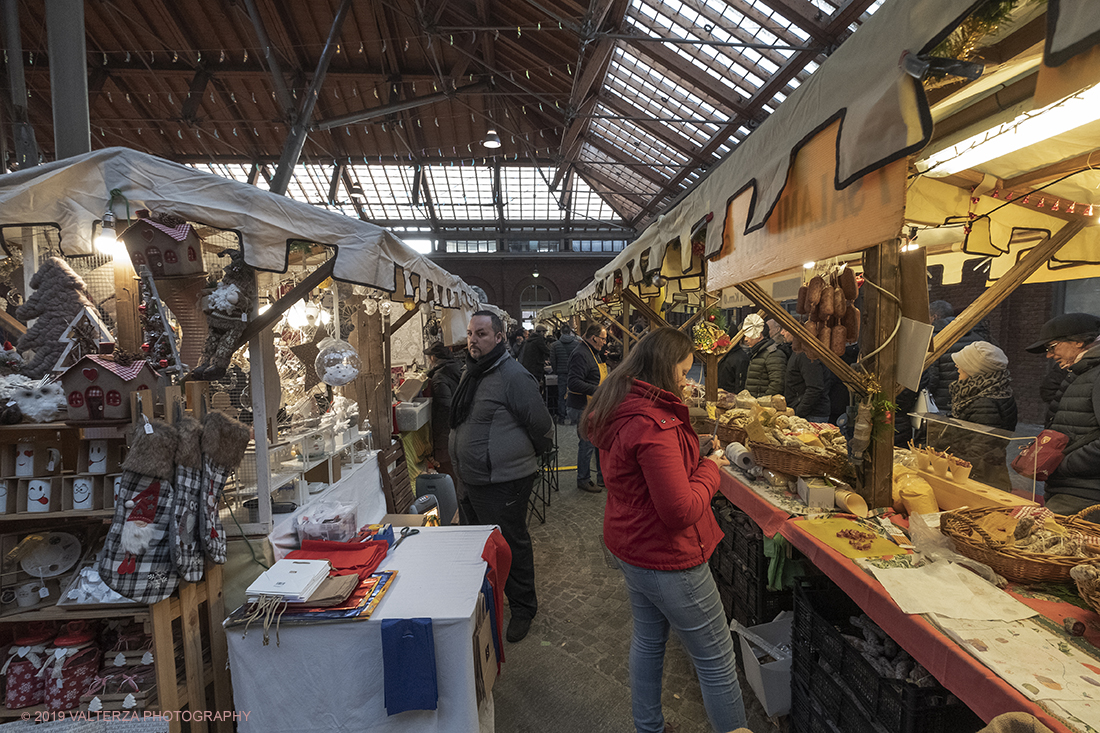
x=632, y=100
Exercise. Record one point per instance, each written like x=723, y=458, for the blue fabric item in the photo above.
x=386, y=534
x=408, y=663
x=487, y=591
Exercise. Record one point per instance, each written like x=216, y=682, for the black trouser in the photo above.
x=505, y=504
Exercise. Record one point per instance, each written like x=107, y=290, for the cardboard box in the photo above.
x=409, y=389
x=405, y=520
x=770, y=681
x=485, y=654
x=815, y=493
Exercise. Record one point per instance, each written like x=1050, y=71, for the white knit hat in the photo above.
x=980, y=357
x=753, y=326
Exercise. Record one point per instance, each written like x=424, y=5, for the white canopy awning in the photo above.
x=72, y=194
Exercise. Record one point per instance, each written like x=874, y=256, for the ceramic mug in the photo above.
x=28, y=593
x=97, y=456
x=24, y=459
x=3, y=496
x=117, y=487
x=82, y=493
x=38, y=495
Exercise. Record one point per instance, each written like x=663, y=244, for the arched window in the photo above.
x=533, y=298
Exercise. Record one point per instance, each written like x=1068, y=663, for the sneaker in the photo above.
x=518, y=628
x=589, y=487
x=600, y=483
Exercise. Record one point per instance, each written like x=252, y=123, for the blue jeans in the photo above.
x=687, y=601
x=585, y=451
x=563, y=412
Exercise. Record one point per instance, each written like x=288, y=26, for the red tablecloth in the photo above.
x=972, y=682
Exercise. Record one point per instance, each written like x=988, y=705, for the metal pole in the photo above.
x=277, y=80
x=296, y=140
x=72, y=127
x=26, y=147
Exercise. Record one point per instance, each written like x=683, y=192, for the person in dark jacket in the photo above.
x=733, y=368
x=659, y=524
x=1071, y=340
x=499, y=428
x=443, y=373
x=982, y=394
x=560, y=352
x=766, y=361
x=943, y=373
x=535, y=353
x=586, y=370
x=1052, y=380
x=804, y=386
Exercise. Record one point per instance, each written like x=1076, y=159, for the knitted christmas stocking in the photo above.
x=136, y=561
x=187, y=501
x=223, y=444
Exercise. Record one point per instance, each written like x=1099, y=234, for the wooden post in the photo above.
x=881, y=267
x=710, y=362
x=164, y=659
x=219, y=651
x=192, y=653
x=127, y=300
x=1039, y=255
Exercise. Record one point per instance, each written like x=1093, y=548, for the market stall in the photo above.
x=850, y=192
x=250, y=328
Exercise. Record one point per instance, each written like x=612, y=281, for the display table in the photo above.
x=972, y=682
x=329, y=677
x=361, y=487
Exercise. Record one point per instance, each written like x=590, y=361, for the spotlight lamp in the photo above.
x=492, y=139
x=106, y=242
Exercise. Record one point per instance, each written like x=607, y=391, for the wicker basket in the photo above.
x=794, y=462
x=731, y=434
x=1021, y=566
x=1090, y=596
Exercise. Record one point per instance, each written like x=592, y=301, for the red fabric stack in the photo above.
x=347, y=558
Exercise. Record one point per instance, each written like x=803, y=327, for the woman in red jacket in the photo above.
x=659, y=524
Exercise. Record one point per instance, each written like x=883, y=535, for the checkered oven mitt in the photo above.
x=187, y=501
x=137, y=560
x=224, y=441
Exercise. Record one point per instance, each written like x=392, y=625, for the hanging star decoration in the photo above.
x=307, y=354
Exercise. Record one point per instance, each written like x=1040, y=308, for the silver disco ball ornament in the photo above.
x=337, y=363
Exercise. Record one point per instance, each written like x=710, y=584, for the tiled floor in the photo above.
x=570, y=673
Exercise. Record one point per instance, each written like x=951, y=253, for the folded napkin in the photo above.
x=408, y=665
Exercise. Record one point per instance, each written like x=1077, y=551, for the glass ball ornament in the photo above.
x=337, y=363
x=385, y=306
x=370, y=306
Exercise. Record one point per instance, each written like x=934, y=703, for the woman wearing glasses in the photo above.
x=1071, y=340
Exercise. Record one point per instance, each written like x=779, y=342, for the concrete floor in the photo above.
x=570, y=673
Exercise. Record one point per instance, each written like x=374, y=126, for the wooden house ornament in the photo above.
x=86, y=334
x=171, y=249
x=97, y=389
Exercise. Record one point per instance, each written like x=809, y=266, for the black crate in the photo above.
x=826, y=691
x=751, y=594
x=861, y=679
x=801, y=710
x=906, y=708
x=854, y=718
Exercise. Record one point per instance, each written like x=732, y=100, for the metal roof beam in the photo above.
x=282, y=94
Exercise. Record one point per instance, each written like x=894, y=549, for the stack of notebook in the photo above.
x=294, y=581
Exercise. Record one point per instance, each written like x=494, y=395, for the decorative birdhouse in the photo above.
x=98, y=390
x=165, y=244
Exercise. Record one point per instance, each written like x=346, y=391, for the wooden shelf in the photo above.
x=69, y=613
x=68, y=514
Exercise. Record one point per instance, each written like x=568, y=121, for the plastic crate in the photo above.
x=906, y=708
x=826, y=691
x=861, y=679
x=807, y=715
x=759, y=604
x=854, y=718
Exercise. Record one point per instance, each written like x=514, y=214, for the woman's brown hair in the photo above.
x=653, y=359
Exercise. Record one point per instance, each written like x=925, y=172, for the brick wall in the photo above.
x=1013, y=325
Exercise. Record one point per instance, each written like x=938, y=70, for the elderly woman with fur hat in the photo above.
x=983, y=394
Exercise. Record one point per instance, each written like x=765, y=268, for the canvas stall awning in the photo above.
x=826, y=175
x=72, y=195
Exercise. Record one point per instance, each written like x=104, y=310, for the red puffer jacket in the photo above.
x=659, y=489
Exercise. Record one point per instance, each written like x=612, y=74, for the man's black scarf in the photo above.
x=475, y=370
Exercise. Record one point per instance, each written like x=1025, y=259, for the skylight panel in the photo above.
x=587, y=204
x=387, y=191
x=461, y=192
x=527, y=194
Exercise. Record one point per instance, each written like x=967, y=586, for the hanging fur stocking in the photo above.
x=224, y=441
x=187, y=501
x=136, y=560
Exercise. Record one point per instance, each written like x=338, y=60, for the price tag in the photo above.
x=120, y=660
x=10, y=403
x=244, y=317
x=43, y=592
x=148, y=425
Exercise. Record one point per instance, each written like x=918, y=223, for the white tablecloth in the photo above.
x=329, y=677
x=360, y=486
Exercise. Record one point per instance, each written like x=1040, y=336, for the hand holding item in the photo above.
x=719, y=457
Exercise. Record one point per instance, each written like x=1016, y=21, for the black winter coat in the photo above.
x=1076, y=413
x=766, y=366
x=988, y=454
x=943, y=372
x=534, y=355
x=584, y=376
x=444, y=377
x=733, y=369
x=560, y=352
x=805, y=387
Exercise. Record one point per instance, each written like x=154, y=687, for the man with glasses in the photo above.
x=1073, y=341
x=586, y=370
